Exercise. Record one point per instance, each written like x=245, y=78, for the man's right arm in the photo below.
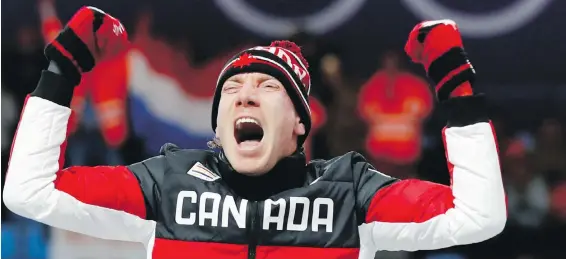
x=104, y=202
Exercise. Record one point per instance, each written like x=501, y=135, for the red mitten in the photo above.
x=90, y=36
x=437, y=45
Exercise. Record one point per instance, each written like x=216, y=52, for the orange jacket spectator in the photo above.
x=106, y=85
x=394, y=105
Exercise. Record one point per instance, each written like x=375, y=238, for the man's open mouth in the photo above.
x=248, y=130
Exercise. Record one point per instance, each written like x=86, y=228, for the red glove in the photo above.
x=90, y=36
x=437, y=45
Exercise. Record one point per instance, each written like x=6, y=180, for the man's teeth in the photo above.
x=246, y=120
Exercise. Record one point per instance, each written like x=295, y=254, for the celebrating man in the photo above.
x=257, y=197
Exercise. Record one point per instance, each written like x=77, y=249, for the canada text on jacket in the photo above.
x=294, y=214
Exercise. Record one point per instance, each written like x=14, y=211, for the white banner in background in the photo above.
x=317, y=22
x=482, y=25
x=69, y=245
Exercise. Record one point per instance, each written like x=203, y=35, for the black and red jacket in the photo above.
x=191, y=204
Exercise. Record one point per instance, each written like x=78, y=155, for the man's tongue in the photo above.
x=249, y=144
x=249, y=135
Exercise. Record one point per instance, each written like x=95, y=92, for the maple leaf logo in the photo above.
x=244, y=60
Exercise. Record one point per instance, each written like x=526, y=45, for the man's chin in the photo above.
x=249, y=158
x=251, y=149
x=250, y=166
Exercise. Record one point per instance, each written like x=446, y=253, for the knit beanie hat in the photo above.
x=282, y=60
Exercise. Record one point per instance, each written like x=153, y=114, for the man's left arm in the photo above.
x=415, y=215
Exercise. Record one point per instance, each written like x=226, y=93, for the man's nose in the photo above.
x=247, y=97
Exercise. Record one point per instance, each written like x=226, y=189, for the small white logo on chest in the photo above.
x=200, y=171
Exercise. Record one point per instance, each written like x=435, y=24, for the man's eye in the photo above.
x=229, y=89
x=271, y=86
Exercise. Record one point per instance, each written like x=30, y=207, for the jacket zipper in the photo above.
x=252, y=230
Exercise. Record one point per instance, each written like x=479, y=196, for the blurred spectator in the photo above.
x=552, y=157
x=550, y=150
x=23, y=63
x=527, y=192
x=552, y=234
x=87, y=145
x=558, y=202
x=9, y=118
x=318, y=120
x=394, y=104
x=344, y=128
x=9, y=122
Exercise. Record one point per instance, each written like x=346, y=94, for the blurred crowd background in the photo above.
x=366, y=97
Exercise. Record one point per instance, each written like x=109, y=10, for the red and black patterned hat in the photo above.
x=282, y=60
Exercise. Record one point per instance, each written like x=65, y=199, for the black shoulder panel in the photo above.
x=151, y=173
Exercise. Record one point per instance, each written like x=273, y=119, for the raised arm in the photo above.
x=50, y=28
x=415, y=215
x=104, y=202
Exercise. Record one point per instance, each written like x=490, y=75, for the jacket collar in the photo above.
x=288, y=173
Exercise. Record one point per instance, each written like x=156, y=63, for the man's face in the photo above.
x=257, y=122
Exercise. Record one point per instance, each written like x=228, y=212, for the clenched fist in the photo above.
x=437, y=45
x=90, y=36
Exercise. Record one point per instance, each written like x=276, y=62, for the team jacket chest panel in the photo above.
x=193, y=209
x=310, y=216
x=197, y=210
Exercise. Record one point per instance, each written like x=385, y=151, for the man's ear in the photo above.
x=299, y=128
